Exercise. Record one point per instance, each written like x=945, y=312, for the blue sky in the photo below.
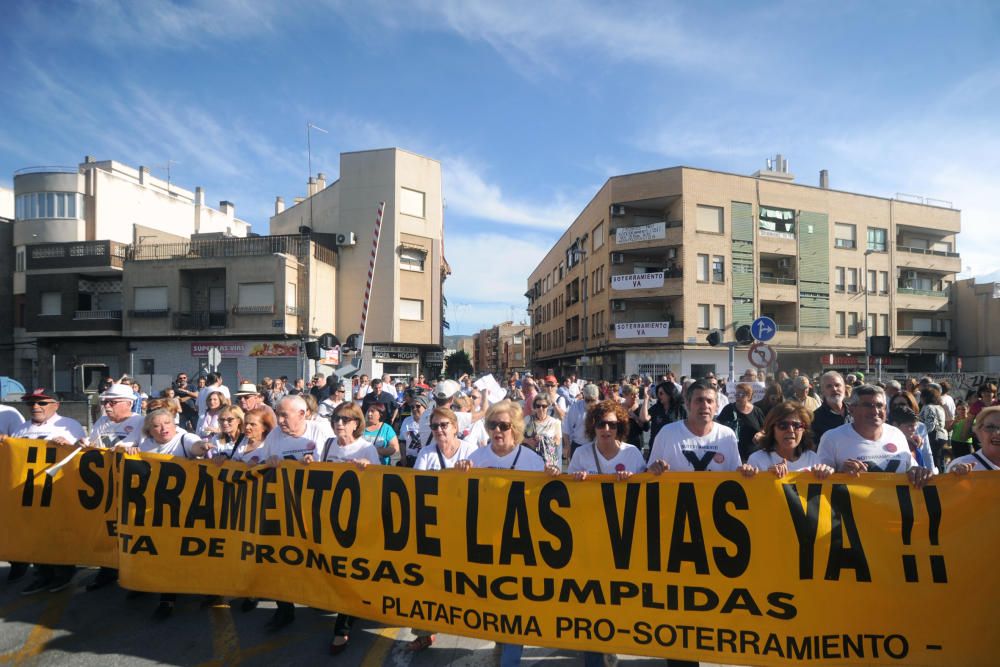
x=530, y=106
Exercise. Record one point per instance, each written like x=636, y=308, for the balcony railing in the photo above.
x=254, y=246
x=778, y=281
x=849, y=244
x=785, y=326
x=923, y=292
x=924, y=251
x=254, y=310
x=81, y=254
x=97, y=315
x=920, y=332
x=200, y=320
x=148, y=313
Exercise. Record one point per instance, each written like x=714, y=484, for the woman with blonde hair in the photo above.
x=208, y=423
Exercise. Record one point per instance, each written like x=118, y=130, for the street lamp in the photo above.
x=578, y=251
x=868, y=333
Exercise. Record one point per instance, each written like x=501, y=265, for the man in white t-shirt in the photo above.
x=296, y=437
x=698, y=443
x=868, y=444
x=118, y=424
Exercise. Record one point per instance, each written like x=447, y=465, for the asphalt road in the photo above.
x=102, y=628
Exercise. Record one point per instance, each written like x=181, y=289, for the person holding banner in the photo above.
x=410, y=430
x=868, y=444
x=230, y=433
x=987, y=429
x=607, y=423
x=505, y=424
x=698, y=443
x=786, y=444
x=45, y=423
x=379, y=433
x=296, y=438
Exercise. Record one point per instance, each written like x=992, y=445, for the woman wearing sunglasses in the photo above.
x=543, y=432
x=446, y=452
x=349, y=445
x=230, y=431
x=786, y=444
x=505, y=425
x=987, y=429
x=607, y=423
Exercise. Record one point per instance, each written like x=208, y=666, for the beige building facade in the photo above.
x=657, y=260
x=502, y=350
x=977, y=330
x=403, y=333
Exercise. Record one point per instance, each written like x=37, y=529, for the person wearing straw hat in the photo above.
x=250, y=398
x=45, y=423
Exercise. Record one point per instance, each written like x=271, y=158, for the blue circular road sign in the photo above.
x=763, y=329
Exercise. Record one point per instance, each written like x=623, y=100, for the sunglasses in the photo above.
x=42, y=403
x=341, y=419
x=541, y=405
x=503, y=426
x=228, y=419
x=788, y=426
x=550, y=385
x=608, y=424
x=107, y=401
x=440, y=426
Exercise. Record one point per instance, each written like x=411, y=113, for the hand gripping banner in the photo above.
x=699, y=566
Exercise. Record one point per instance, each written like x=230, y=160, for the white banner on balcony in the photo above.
x=637, y=281
x=642, y=329
x=657, y=230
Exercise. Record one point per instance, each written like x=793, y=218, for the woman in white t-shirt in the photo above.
x=208, y=423
x=409, y=432
x=987, y=429
x=607, y=423
x=231, y=420
x=786, y=444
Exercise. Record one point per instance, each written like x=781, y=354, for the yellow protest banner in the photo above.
x=63, y=519
x=694, y=566
x=699, y=566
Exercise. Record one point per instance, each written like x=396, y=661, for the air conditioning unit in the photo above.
x=785, y=263
x=617, y=211
x=618, y=305
x=909, y=275
x=617, y=258
x=671, y=253
x=346, y=238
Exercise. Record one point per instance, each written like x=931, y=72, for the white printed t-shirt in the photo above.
x=978, y=461
x=762, y=460
x=359, y=449
x=285, y=446
x=588, y=458
x=890, y=453
x=52, y=428
x=179, y=445
x=464, y=420
x=686, y=452
x=10, y=420
x=428, y=459
x=521, y=458
x=106, y=433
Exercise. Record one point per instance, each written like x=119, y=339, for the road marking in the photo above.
x=42, y=631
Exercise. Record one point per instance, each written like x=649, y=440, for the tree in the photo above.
x=457, y=364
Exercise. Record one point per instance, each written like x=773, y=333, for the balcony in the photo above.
x=254, y=310
x=648, y=234
x=200, y=320
x=86, y=256
x=929, y=260
x=920, y=299
x=927, y=341
x=148, y=314
x=782, y=290
x=97, y=315
x=254, y=246
x=631, y=285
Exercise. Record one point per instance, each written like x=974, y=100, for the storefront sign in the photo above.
x=642, y=329
x=397, y=352
x=657, y=230
x=630, y=281
x=434, y=357
x=847, y=360
x=235, y=349
x=228, y=349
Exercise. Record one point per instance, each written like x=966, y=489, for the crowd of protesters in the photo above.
x=753, y=425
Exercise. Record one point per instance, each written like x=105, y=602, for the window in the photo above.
x=710, y=219
x=883, y=325
x=855, y=326
x=703, y=268
x=703, y=310
x=883, y=282
x=942, y=246
x=411, y=202
x=291, y=299
x=841, y=323
x=841, y=281
x=150, y=298
x=411, y=309
x=852, y=280
x=718, y=269
x=877, y=239
x=19, y=259
x=872, y=327
x=597, y=237
x=871, y=285
x=777, y=222
x=51, y=303
x=922, y=324
x=720, y=317
x=47, y=205
x=255, y=295
x=598, y=279
x=411, y=259
x=845, y=235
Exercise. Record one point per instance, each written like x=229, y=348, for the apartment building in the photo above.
x=403, y=334
x=977, y=326
x=502, y=349
x=72, y=231
x=657, y=260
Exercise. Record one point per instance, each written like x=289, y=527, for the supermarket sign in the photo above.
x=236, y=349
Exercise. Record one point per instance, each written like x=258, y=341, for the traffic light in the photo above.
x=352, y=342
x=312, y=350
x=744, y=335
x=328, y=341
x=714, y=338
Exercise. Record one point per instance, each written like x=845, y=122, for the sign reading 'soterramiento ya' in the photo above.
x=642, y=329
x=637, y=281
x=657, y=230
